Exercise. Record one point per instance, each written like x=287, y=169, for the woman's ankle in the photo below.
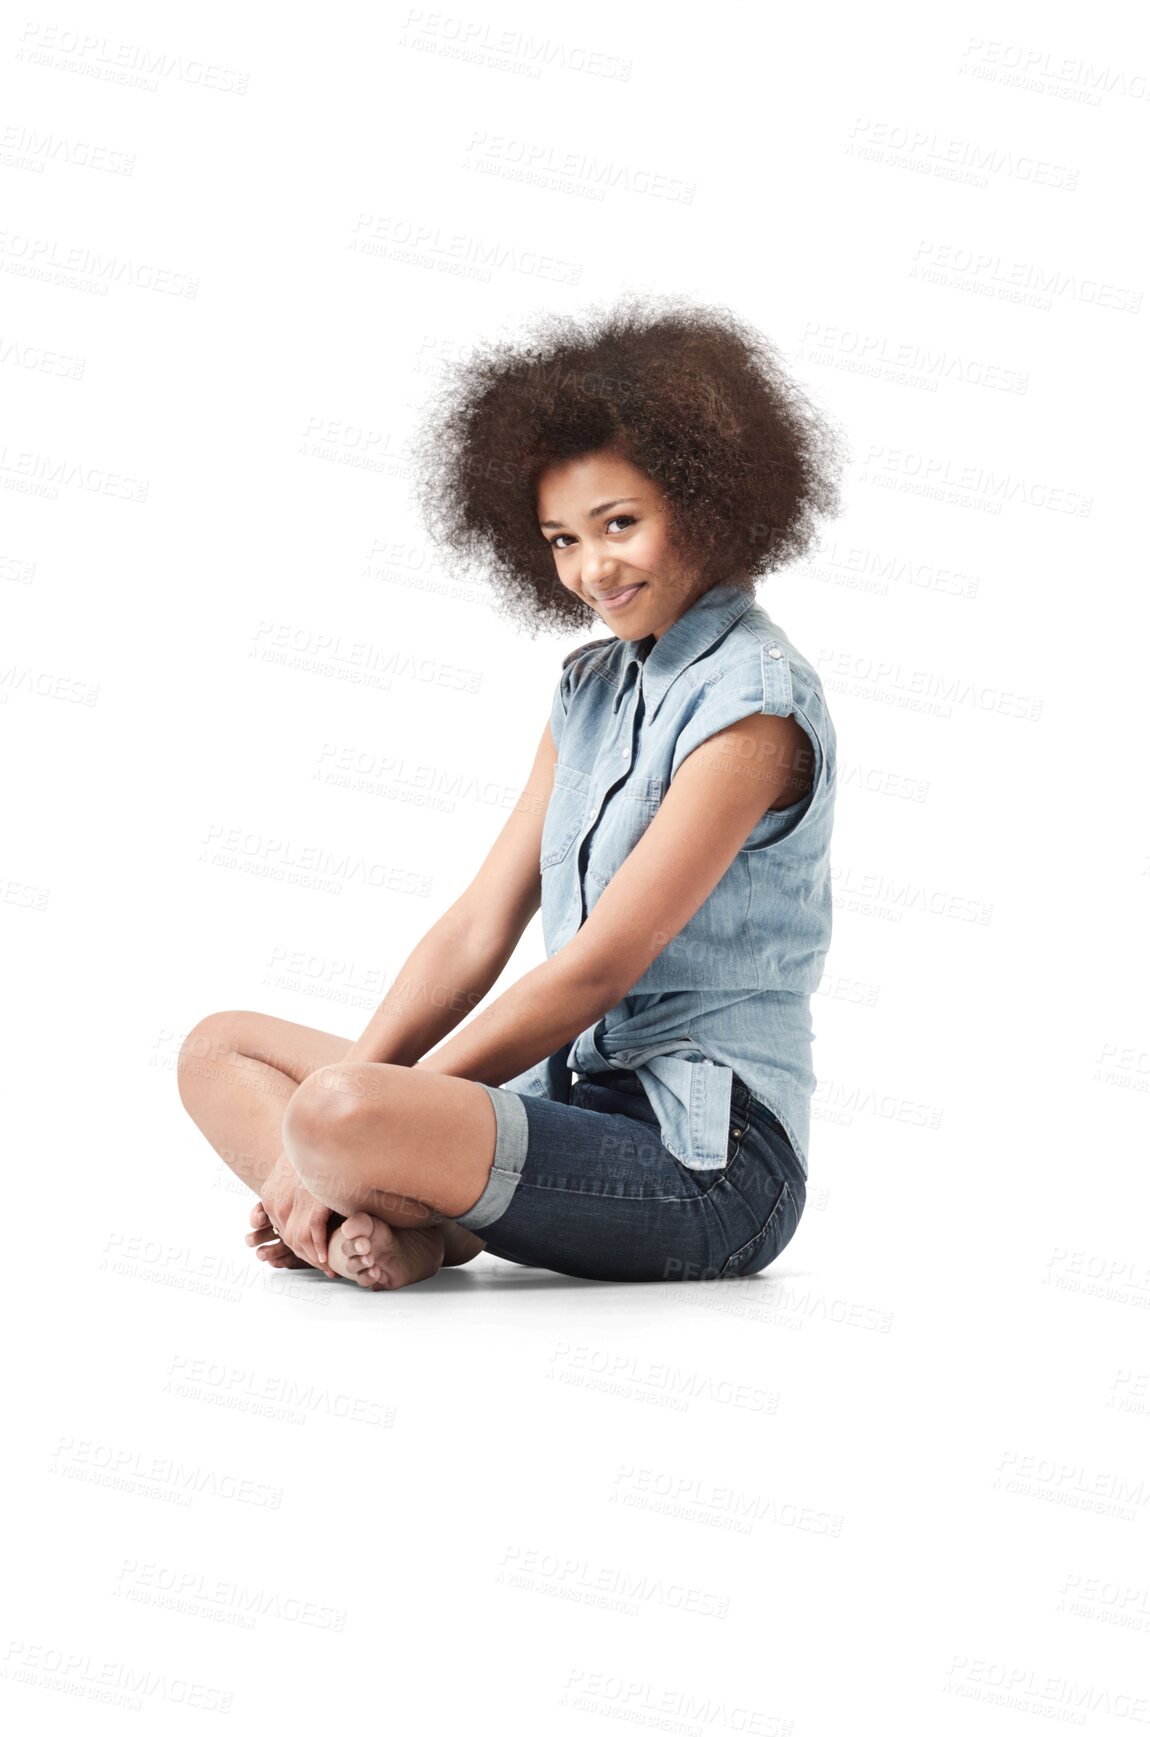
x=459, y=1245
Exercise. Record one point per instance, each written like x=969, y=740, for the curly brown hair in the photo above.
x=694, y=397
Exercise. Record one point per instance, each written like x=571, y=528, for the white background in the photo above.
x=897, y=1482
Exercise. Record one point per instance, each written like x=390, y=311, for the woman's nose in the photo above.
x=598, y=572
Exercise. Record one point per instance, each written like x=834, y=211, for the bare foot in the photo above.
x=381, y=1257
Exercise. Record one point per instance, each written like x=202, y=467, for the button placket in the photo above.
x=622, y=759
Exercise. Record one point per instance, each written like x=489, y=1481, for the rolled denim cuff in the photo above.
x=511, y=1130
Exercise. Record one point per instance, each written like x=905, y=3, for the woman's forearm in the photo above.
x=444, y=978
x=544, y=1010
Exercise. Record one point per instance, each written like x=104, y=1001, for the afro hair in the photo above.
x=694, y=397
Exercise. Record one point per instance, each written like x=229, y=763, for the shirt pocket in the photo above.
x=566, y=812
x=623, y=820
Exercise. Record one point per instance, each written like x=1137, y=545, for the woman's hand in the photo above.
x=286, y=1209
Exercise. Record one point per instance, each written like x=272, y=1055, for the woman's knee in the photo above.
x=210, y=1042
x=324, y=1115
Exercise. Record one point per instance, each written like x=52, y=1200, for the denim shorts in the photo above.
x=589, y=1189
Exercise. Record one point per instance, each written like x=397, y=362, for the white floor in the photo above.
x=897, y=1482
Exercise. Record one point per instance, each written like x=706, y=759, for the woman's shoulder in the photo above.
x=595, y=658
x=587, y=649
x=582, y=663
x=787, y=672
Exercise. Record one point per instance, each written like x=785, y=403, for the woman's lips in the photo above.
x=621, y=600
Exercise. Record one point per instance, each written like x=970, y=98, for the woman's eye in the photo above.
x=619, y=519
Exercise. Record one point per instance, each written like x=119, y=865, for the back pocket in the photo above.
x=770, y=1239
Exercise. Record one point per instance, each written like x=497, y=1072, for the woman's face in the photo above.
x=609, y=531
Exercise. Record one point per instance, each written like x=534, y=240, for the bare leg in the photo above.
x=236, y=1073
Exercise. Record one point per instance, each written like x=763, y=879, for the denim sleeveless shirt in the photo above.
x=731, y=992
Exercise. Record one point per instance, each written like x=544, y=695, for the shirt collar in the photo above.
x=695, y=632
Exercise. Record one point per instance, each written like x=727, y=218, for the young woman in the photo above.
x=636, y=1107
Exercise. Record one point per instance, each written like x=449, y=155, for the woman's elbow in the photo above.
x=597, y=976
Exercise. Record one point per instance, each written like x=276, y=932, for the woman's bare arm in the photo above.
x=714, y=802
x=542, y=1012
x=464, y=953
x=445, y=977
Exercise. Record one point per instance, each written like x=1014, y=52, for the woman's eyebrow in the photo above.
x=554, y=524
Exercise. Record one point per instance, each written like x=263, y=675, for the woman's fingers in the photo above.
x=299, y=1232
x=319, y=1235
x=305, y=1228
x=303, y=1222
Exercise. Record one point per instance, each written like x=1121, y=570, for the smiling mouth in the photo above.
x=619, y=599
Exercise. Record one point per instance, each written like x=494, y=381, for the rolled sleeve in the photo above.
x=739, y=692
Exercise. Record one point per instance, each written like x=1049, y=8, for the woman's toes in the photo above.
x=359, y=1225
x=342, y=1249
x=374, y=1254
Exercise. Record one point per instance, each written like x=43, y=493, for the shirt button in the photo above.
x=774, y=651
